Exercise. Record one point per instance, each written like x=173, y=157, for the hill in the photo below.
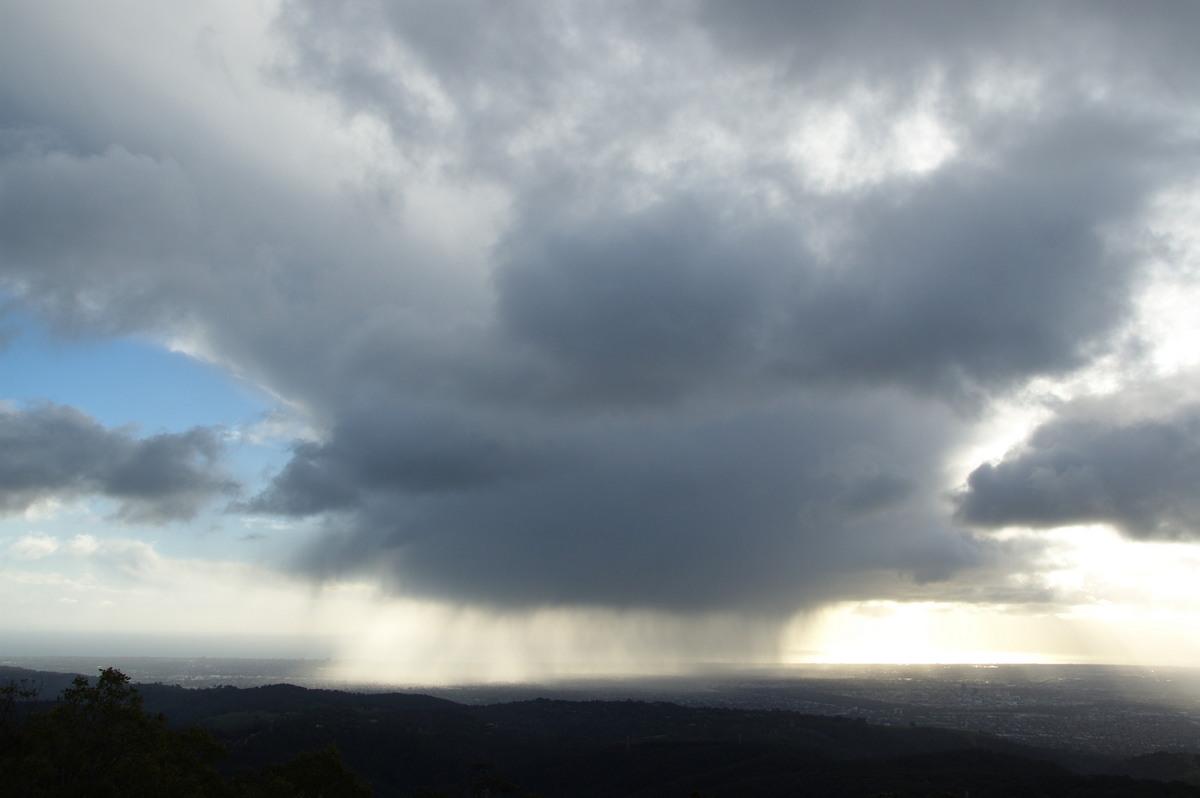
x=411, y=744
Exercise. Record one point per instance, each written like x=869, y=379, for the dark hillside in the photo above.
x=403, y=744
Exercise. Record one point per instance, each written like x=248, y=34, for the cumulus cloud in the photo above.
x=52, y=451
x=681, y=306
x=1139, y=475
x=769, y=508
x=34, y=547
x=981, y=276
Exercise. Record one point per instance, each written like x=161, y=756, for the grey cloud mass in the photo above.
x=682, y=305
x=765, y=509
x=1138, y=475
x=56, y=452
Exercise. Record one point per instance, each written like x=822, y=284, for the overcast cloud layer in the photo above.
x=679, y=305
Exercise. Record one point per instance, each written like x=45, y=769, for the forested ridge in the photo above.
x=109, y=737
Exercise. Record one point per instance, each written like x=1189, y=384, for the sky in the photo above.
x=465, y=341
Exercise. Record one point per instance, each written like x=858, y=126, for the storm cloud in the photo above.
x=683, y=305
x=56, y=452
x=762, y=509
x=1139, y=475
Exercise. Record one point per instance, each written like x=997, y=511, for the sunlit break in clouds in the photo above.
x=467, y=341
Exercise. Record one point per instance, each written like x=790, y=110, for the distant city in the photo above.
x=1110, y=710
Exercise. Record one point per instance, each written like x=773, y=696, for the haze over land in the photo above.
x=502, y=341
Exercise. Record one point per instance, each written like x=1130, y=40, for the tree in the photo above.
x=10, y=694
x=98, y=741
x=309, y=774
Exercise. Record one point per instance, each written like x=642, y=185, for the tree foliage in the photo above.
x=310, y=774
x=98, y=741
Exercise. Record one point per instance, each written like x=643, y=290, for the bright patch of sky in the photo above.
x=122, y=381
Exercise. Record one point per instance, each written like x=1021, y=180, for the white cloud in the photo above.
x=83, y=545
x=35, y=546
